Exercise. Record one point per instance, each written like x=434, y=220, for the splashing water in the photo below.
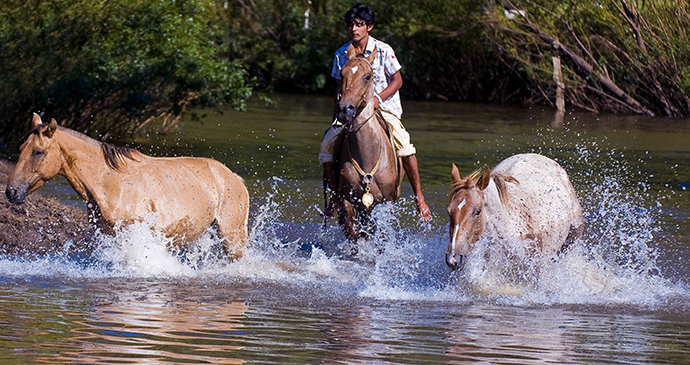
x=616, y=262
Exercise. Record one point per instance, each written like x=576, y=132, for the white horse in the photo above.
x=527, y=197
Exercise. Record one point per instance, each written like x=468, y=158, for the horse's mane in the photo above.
x=470, y=181
x=114, y=156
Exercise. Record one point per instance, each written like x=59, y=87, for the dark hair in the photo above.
x=361, y=12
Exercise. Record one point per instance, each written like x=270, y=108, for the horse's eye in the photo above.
x=367, y=77
x=39, y=153
x=477, y=212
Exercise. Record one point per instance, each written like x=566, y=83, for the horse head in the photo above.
x=357, y=85
x=40, y=160
x=467, y=222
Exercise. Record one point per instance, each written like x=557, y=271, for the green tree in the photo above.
x=112, y=66
x=282, y=50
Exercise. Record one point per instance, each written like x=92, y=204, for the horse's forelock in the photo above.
x=469, y=182
x=37, y=129
x=360, y=58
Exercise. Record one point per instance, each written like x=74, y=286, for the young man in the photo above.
x=360, y=21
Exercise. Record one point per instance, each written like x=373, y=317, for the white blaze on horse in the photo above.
x=526, y=197
x=187, y=195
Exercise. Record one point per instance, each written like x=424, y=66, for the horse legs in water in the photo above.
x=574, y=234
x=356, y=224
x=348, y=219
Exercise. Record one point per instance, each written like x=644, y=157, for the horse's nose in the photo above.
x=455, y=262
x=13, y=195
x=347, y=112
x=10, y=193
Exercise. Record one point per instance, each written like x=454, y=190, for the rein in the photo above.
x=361, y=125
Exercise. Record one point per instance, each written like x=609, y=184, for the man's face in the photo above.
x=359, y=30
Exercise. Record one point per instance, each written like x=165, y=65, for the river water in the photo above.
x=619, y=297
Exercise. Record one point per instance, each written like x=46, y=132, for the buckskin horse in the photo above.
x=187, y=195
x=526, y=198
x=370, y=171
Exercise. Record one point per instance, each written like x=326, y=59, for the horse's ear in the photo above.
x=51, y=128
x=484, y=180
x=351, y=52
x=37, y=120
x=372, y=57
x=455, y=174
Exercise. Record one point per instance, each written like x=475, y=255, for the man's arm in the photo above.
x=392, y=88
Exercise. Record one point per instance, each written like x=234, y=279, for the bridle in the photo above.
x=363, y=100
x=367, y=177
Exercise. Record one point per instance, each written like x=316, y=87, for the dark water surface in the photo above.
x=620, y=297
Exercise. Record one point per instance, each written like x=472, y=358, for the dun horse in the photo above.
x=526, y=197
x=186, y=194
x=370, y=172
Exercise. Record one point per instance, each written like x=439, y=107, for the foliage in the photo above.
x=117, y=65
x=111, y=66
x=619, y=55
x=446, y=52
x=281, y=50
x=270, y=36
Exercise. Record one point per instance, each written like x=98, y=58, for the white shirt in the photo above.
x=385, y=65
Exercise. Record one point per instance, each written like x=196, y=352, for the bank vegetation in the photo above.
x=123, y=67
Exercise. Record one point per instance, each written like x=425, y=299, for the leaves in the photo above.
x=117, y=66
x=111, y=66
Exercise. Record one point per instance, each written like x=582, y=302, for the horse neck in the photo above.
x=368, y=140
x=367, y=113
x=493, y=207
x=82, y=163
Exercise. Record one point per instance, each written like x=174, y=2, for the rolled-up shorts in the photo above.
x=401, y=138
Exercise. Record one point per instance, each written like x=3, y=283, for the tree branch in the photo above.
x=588, y=69
x=630, y=16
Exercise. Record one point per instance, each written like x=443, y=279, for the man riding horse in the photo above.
x=360, y=21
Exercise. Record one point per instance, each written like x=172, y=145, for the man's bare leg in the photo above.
x=412, y=171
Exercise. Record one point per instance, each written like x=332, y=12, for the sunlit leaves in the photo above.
x=111, y=65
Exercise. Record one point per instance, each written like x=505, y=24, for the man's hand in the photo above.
x=424, y=211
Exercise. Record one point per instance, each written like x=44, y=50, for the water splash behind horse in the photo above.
x=526, y=197
x=187, y=195
x=369, y=168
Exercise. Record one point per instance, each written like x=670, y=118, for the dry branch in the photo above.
x=588, y=69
